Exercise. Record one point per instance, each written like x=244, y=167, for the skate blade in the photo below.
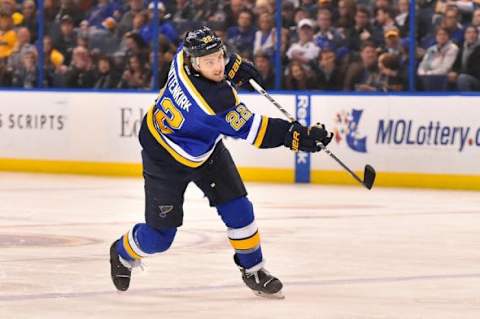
x=277, y=295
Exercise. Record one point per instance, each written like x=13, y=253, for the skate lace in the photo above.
x=257, y=277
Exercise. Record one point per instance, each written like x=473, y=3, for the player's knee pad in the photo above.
x=150, y=240
x=236, y=213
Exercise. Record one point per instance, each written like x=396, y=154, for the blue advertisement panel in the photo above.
x=302, y=159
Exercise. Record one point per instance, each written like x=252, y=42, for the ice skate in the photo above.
x=119, y=272
x=262, y=283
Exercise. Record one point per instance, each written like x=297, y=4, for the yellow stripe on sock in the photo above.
x=129, y=249
x=247, y=243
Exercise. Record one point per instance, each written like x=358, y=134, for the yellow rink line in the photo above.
x=397, y=179
x=254, y=174
x=126, y=169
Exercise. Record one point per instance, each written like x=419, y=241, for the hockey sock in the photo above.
x=242, y=231
x=143, y=240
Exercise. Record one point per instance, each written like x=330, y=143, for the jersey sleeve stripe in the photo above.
x=261, y=132
x=254, y=129
x=191, y=88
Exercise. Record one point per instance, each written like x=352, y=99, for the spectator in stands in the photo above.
x=5, y=74
x=242, y=36
x=439, y=58
x=299, y=15
x=305, y=49
x=363, y=75
x=310, y=7
x=232, y=11
x=80, y=72
x=71, y=9
x=104, y=37
x=466, y=70
x=52, y=56
x=327, y=36
x=135, y=76
x=361, y=31
x=126, y=23
x=382, y=4
x=285, y=43
x=83, y=30
x=103, y=10
x=8, y=37
x=21, y=47
x=384, y=20
x=26, y=75
x=104, y=75
x=438, y=61
x=328, y=75
x=393, y=43
x=451, y=22
x=165, y=27
x=181, y=16
x=82, y=42
x=391, y=78
x=476, y=19
x=326, y=5
x=50, y=10
x=264, y=66
x=135, y=45
x=29, y=18
x=288, y=12
x=298, y=77
x=346, y=12
x=265, y=36
x=67, y=39
x=7, y=7
x=465, y=7
x=220, y=30
x=401, y=19
x=264, y=6
x=54, y=69
x=165, y=56
x=139, y=22
x=202, y=10
x=424, y=15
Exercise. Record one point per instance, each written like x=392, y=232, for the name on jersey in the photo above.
x=175, y=89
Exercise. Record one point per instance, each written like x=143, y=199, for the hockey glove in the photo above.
x=239, y=71
x=302, y=138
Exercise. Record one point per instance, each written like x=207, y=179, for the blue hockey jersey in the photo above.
x=191, y=114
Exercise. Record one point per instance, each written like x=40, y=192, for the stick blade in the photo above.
x=369, y=176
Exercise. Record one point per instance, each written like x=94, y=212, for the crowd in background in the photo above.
x=325, y=45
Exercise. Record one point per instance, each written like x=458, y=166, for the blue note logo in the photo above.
x=346, y=128
x=164, y=210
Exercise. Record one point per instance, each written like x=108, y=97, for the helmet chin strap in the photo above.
x=195, y=64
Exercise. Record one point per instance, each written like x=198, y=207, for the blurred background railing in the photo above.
x=324, y=45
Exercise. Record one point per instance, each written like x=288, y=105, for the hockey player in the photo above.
x=181, y=137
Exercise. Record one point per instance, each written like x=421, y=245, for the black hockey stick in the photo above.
x=368, y=173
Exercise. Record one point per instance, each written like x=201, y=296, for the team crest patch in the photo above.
x=164, y=210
